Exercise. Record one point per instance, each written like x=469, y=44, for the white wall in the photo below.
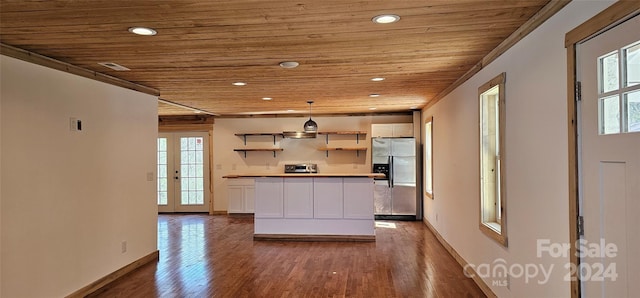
x=70, y=198
x=227, y=161
x=0, y=182
x=536, y=148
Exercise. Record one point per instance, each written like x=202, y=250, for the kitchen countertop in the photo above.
x=287, y=175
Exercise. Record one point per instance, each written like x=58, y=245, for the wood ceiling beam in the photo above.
x=31, y=57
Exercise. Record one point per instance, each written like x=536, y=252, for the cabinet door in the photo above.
x=249, y=199
x=403, y=129
x=327, y=197
x=395, y=130
x=358, y=198
x=298, y=197
x=381, y=130
x=235, y=194
x=269, y=198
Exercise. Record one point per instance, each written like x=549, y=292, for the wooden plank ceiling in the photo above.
x=202, y=47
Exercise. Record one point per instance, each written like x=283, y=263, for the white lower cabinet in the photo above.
x=249, y=199
x=240, y=196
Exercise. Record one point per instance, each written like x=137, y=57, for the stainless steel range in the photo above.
x=303, y=168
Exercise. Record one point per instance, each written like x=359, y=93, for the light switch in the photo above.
x=75, y=124
x=72, y=124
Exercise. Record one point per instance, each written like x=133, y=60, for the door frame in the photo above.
x=200, y=123
x=606, y=19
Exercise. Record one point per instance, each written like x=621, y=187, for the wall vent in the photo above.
x=114, y=66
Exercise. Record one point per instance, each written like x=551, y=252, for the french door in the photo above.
x=183, y=172
x=609, y=144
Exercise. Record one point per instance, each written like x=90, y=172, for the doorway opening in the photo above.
x=183, y=172
x=602, y=160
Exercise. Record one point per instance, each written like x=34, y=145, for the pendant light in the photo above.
x=310, y=126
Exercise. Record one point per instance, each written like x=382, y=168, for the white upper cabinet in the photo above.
x=392, y=130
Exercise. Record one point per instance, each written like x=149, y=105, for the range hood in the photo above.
x=310, y=129
x=299, y=134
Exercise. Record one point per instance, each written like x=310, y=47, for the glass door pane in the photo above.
x=191, y=165
x=165, y=188
x=162, y=172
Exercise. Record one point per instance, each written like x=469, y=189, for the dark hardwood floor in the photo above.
x=216, y=256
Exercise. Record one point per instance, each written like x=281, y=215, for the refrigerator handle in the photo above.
x=391, y=171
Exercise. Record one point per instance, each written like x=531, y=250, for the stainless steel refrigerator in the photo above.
x=395, y=195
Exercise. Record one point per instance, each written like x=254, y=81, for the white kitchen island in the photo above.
x=313, y=206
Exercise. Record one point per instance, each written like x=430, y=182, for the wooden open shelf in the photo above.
x=356, y=149
x=354, y=133
x=325, y=133
x=245, y=150
x=274, y=135
x=342, y=133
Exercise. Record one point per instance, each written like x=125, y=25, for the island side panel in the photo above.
x=358, y=198
x=298, y=197
x=328, y=198
x=269, y=199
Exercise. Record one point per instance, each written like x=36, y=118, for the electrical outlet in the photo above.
x=218, y=167
x=123, y=246
x=149, y=176
x=355, y=165
x=267, y=165
x=233, y=167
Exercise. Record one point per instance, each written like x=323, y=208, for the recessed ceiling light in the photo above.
x=386, y=19
x=372, y=108
x=289, y=64
x=413, y=108
x=143, y=31
x=374, y=95
x=378, y=79
x=267, y=98
x=289, y=111
x=239, y=83
x=197, y=112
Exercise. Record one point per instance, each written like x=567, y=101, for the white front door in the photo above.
x=609, y=166
x=183, y=172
